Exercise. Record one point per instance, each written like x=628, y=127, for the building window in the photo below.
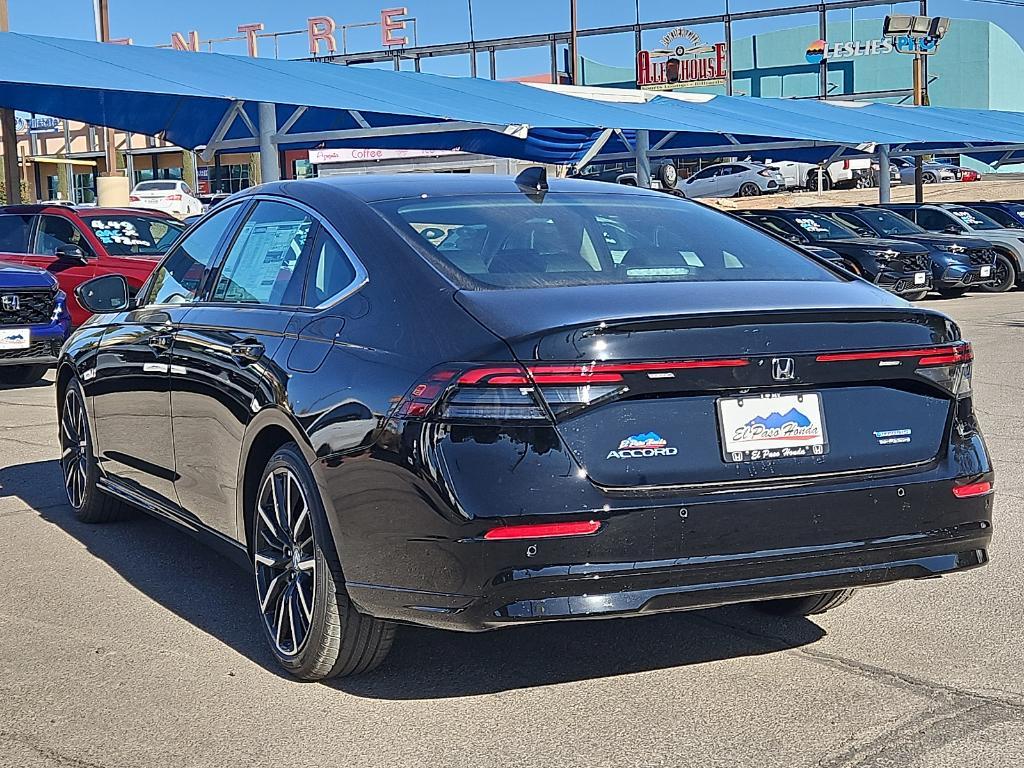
x=52, y=187
x=85, y=188
x=229, y=178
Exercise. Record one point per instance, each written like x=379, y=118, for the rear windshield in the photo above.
x=134, y=235
x=511, y=241
x=157, y=186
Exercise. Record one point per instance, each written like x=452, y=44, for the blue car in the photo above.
x=34, y=322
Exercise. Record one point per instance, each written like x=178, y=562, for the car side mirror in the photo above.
x=953, y=229
x=69, y=252
x=108, y=293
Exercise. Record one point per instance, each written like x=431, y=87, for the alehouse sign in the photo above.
x=685, y=61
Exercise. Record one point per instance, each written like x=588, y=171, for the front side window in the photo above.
x=593, y=239
x=134, y=235
x=56, y=231
x=974, y=219
x=15, y=229
x=181, y=275
x=938, y=221
x=263, y=266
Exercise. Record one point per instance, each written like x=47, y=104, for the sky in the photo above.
x=151, y=22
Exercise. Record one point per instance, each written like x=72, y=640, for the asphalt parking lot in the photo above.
x=132, y=645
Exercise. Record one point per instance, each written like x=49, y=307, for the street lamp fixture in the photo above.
x=902, y=25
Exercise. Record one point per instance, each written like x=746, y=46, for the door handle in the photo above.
x=248, y=351
x=162, y=341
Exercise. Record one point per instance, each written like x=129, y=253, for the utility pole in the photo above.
x=574, y=35
x=101, y=10
x=12, y=171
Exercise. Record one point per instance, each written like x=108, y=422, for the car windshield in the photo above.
x=820, y=227
x=975, y=219
x=135, y=235
x=888, y=224
x=156, y=186
x=562, y=239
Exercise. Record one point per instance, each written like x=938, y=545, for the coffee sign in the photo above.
x=683, y=61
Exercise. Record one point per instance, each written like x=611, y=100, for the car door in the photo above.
x=222, y=367
x=131, y=379
x=704, y=183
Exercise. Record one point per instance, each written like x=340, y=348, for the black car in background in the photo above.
x=959, y=262
x=454, y=401
x=1006, y=214
x=900, y=267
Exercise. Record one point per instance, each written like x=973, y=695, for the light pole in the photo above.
x=9, y=131
x=101, y=12
x=918, y=36
x=574, y=68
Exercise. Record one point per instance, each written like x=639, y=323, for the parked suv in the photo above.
x=957, y=219
x=959, y=262
x=34, y=323
x=79, y=244
x=902, y=268
x=1007, y=214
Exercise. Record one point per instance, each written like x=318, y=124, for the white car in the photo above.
x=170, y=196
x=841, y=173
x=740, y=179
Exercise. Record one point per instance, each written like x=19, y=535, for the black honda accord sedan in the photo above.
x=477, y=402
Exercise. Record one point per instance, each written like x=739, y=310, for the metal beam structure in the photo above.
x=270, y=158
x=884, y=189
x=643, y=159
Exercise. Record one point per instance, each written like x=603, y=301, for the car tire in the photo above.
x=952, y=293
x=929, y=178
x=749, y=189
x=812, y=181
x=78, y=464
x=915, y=295
x=668, y=176
x=809, y=605
x=1005, y=272
x=22, y=375
x=308, y=620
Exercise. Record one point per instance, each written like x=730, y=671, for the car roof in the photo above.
x=374, y=187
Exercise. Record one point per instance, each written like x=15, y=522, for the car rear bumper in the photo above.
x=574, y=578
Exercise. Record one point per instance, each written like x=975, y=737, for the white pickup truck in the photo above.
x=842, y=173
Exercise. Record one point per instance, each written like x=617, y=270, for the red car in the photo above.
x=78, y=244
x=969, y=174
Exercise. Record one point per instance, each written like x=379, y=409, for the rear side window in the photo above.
x=180, y=276
x=509, y=240
x=329, y=273
x=14, y=232
x=263, y=266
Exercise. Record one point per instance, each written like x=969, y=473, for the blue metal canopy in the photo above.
x=213, y=100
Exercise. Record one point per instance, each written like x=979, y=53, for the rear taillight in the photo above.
x=766, y=173
x=134, y=199
x=949, y=365
x=846, y=165
x=511, y=392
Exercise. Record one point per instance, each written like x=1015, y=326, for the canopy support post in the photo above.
x=270, y=162
x=643, y=159
x=884, y=188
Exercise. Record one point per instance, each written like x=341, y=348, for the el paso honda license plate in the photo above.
x=772, y=427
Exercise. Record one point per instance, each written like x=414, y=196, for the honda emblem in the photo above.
x=10, y=302
x=783, y=369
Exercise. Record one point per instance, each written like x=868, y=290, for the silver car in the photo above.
x=931, y=172
x=739, y=179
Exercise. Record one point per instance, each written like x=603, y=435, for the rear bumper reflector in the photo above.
x=971, y=490
x=543, y=530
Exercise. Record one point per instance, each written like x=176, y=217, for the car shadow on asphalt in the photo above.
x=206, y=589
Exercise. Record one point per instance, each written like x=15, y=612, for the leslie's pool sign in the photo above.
x=683, y=61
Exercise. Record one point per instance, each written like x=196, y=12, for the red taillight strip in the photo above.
x=972, y=490
x=953, y=354
x=542, y=530
x=590, y=373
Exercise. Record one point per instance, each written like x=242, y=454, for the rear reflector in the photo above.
x=542, y=530
x=952, y=354
x=971, y=490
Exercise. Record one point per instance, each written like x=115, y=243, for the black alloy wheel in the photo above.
x=311, y=625
x=813, y=181
x=78, y=464
x=285, y=561
x=1004, y=275
x=749, y=189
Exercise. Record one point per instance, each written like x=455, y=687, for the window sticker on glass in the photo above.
x=120, y=232
x=811, y=225
x=966, y=217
